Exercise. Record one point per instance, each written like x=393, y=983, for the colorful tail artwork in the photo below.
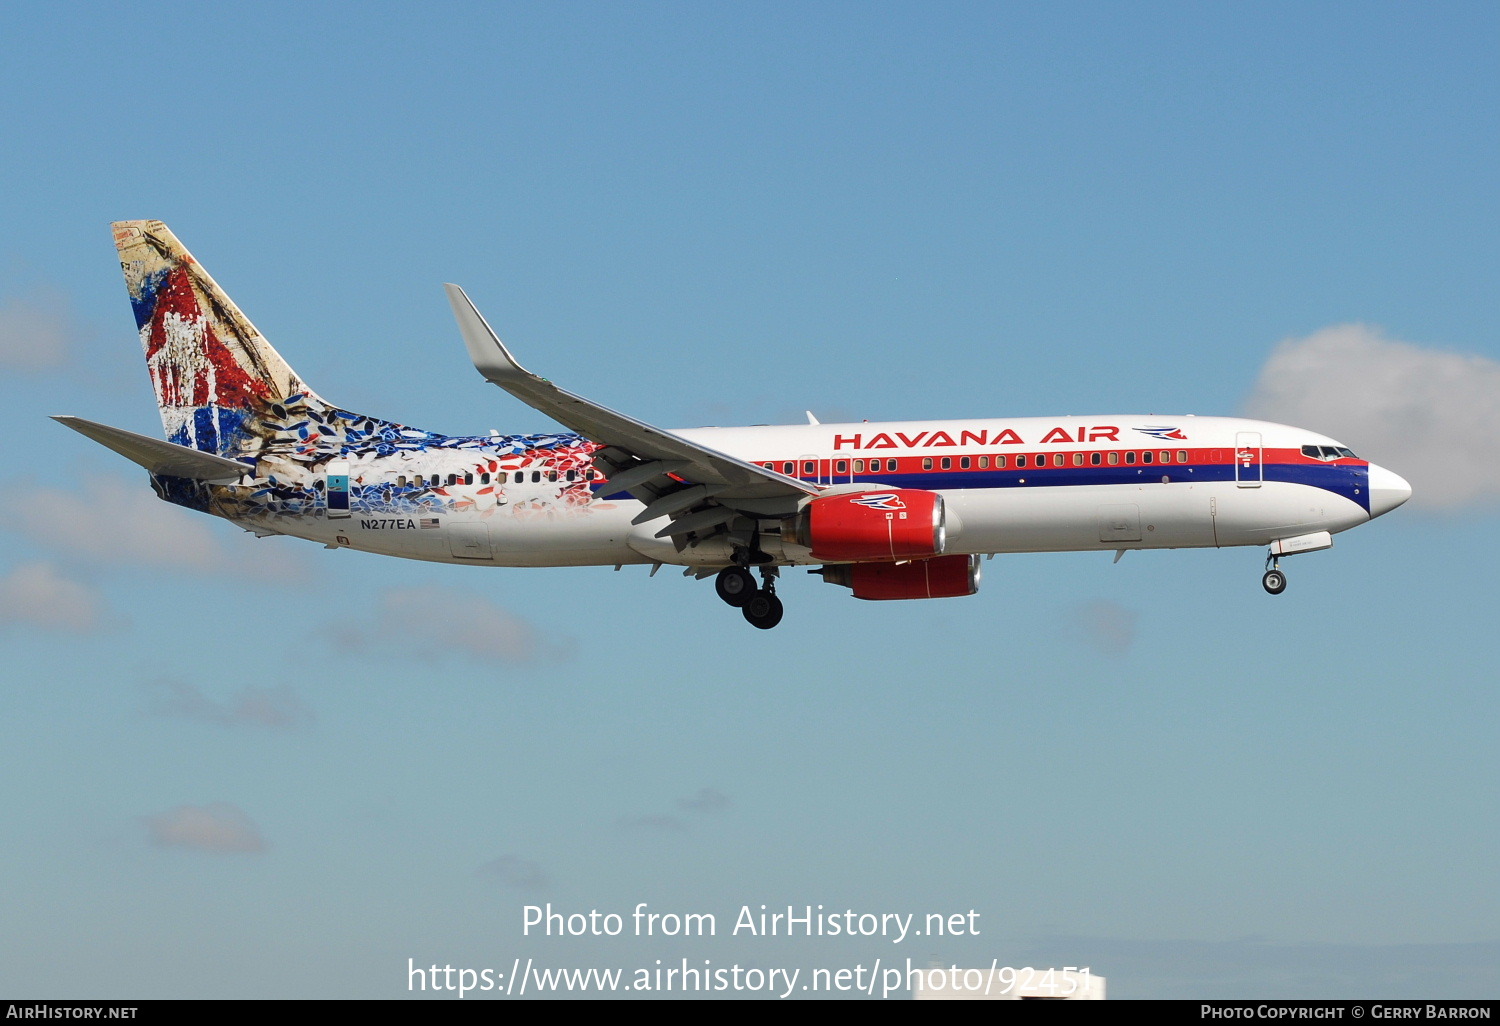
x=216, y=377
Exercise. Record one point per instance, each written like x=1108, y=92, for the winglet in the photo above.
x=489, y=354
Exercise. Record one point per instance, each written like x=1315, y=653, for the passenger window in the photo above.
x=984, y=463
x=484, y=478
x=536, y=477
x=769, y=466
x=1020, y=461
x=1181, y=455
x=468, y=479
x=1078, y=459
x=1130, y=458
x=401, y=481
x=875, y=466
x=1166, y=456
x=1057, y=459
x=1146, y=457
x=841, y=467
x=1095, y=459
x=964, y=463
x=859, y=466
x=572, y=475
x=1000, y=462
x=789, y=468
x=809, y=467
x=1114, y=458
x=947, y=462
x=926, y=462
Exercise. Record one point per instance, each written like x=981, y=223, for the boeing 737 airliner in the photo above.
x=890, y=511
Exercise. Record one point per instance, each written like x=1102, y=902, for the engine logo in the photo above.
x=886, y=500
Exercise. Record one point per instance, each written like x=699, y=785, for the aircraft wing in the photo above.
x=699, y=487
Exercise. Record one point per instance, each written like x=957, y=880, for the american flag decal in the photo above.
x=428, y=522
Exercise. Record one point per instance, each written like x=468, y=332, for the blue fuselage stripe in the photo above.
x=1350, y=482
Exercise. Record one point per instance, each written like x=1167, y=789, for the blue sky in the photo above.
x=258, y=768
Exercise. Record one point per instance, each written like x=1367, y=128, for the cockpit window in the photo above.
x=1328, y=452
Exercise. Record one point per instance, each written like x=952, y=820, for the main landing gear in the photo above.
x=735, y=585
x=760, y=606
x=1274, y=580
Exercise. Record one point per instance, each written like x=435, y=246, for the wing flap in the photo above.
x=702, y=520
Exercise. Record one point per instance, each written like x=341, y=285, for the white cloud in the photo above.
x=708, y=799
x=652, y=823
x=112, y=520
x=431, y=620
x=37, y=595
x=1431, y=416
x=513, y=871
x=1107, y=627
x=219, y=827
x=36, y=331
x=275, y=707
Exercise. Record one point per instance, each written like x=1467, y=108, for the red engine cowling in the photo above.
x=941, y=577
x=898, y=523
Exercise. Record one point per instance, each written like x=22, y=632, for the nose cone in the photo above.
x=1387, y=490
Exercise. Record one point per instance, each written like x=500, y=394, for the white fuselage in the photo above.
x=1023, y=485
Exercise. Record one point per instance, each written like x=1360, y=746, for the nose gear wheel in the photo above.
x=1274, y=580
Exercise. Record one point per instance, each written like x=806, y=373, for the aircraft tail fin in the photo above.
x=215, y=375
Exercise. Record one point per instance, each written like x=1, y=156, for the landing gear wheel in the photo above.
x=1274, y=582
x=735, y=585
x=763, y=610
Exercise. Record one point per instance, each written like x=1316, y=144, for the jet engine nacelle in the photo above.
x=873, y=526
x=940, y=577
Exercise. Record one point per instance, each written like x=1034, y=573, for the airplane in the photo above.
x=898, y=510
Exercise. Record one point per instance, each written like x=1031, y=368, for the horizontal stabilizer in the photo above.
x=158, y=456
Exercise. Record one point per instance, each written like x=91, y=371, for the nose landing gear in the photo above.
x=1274, y=581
